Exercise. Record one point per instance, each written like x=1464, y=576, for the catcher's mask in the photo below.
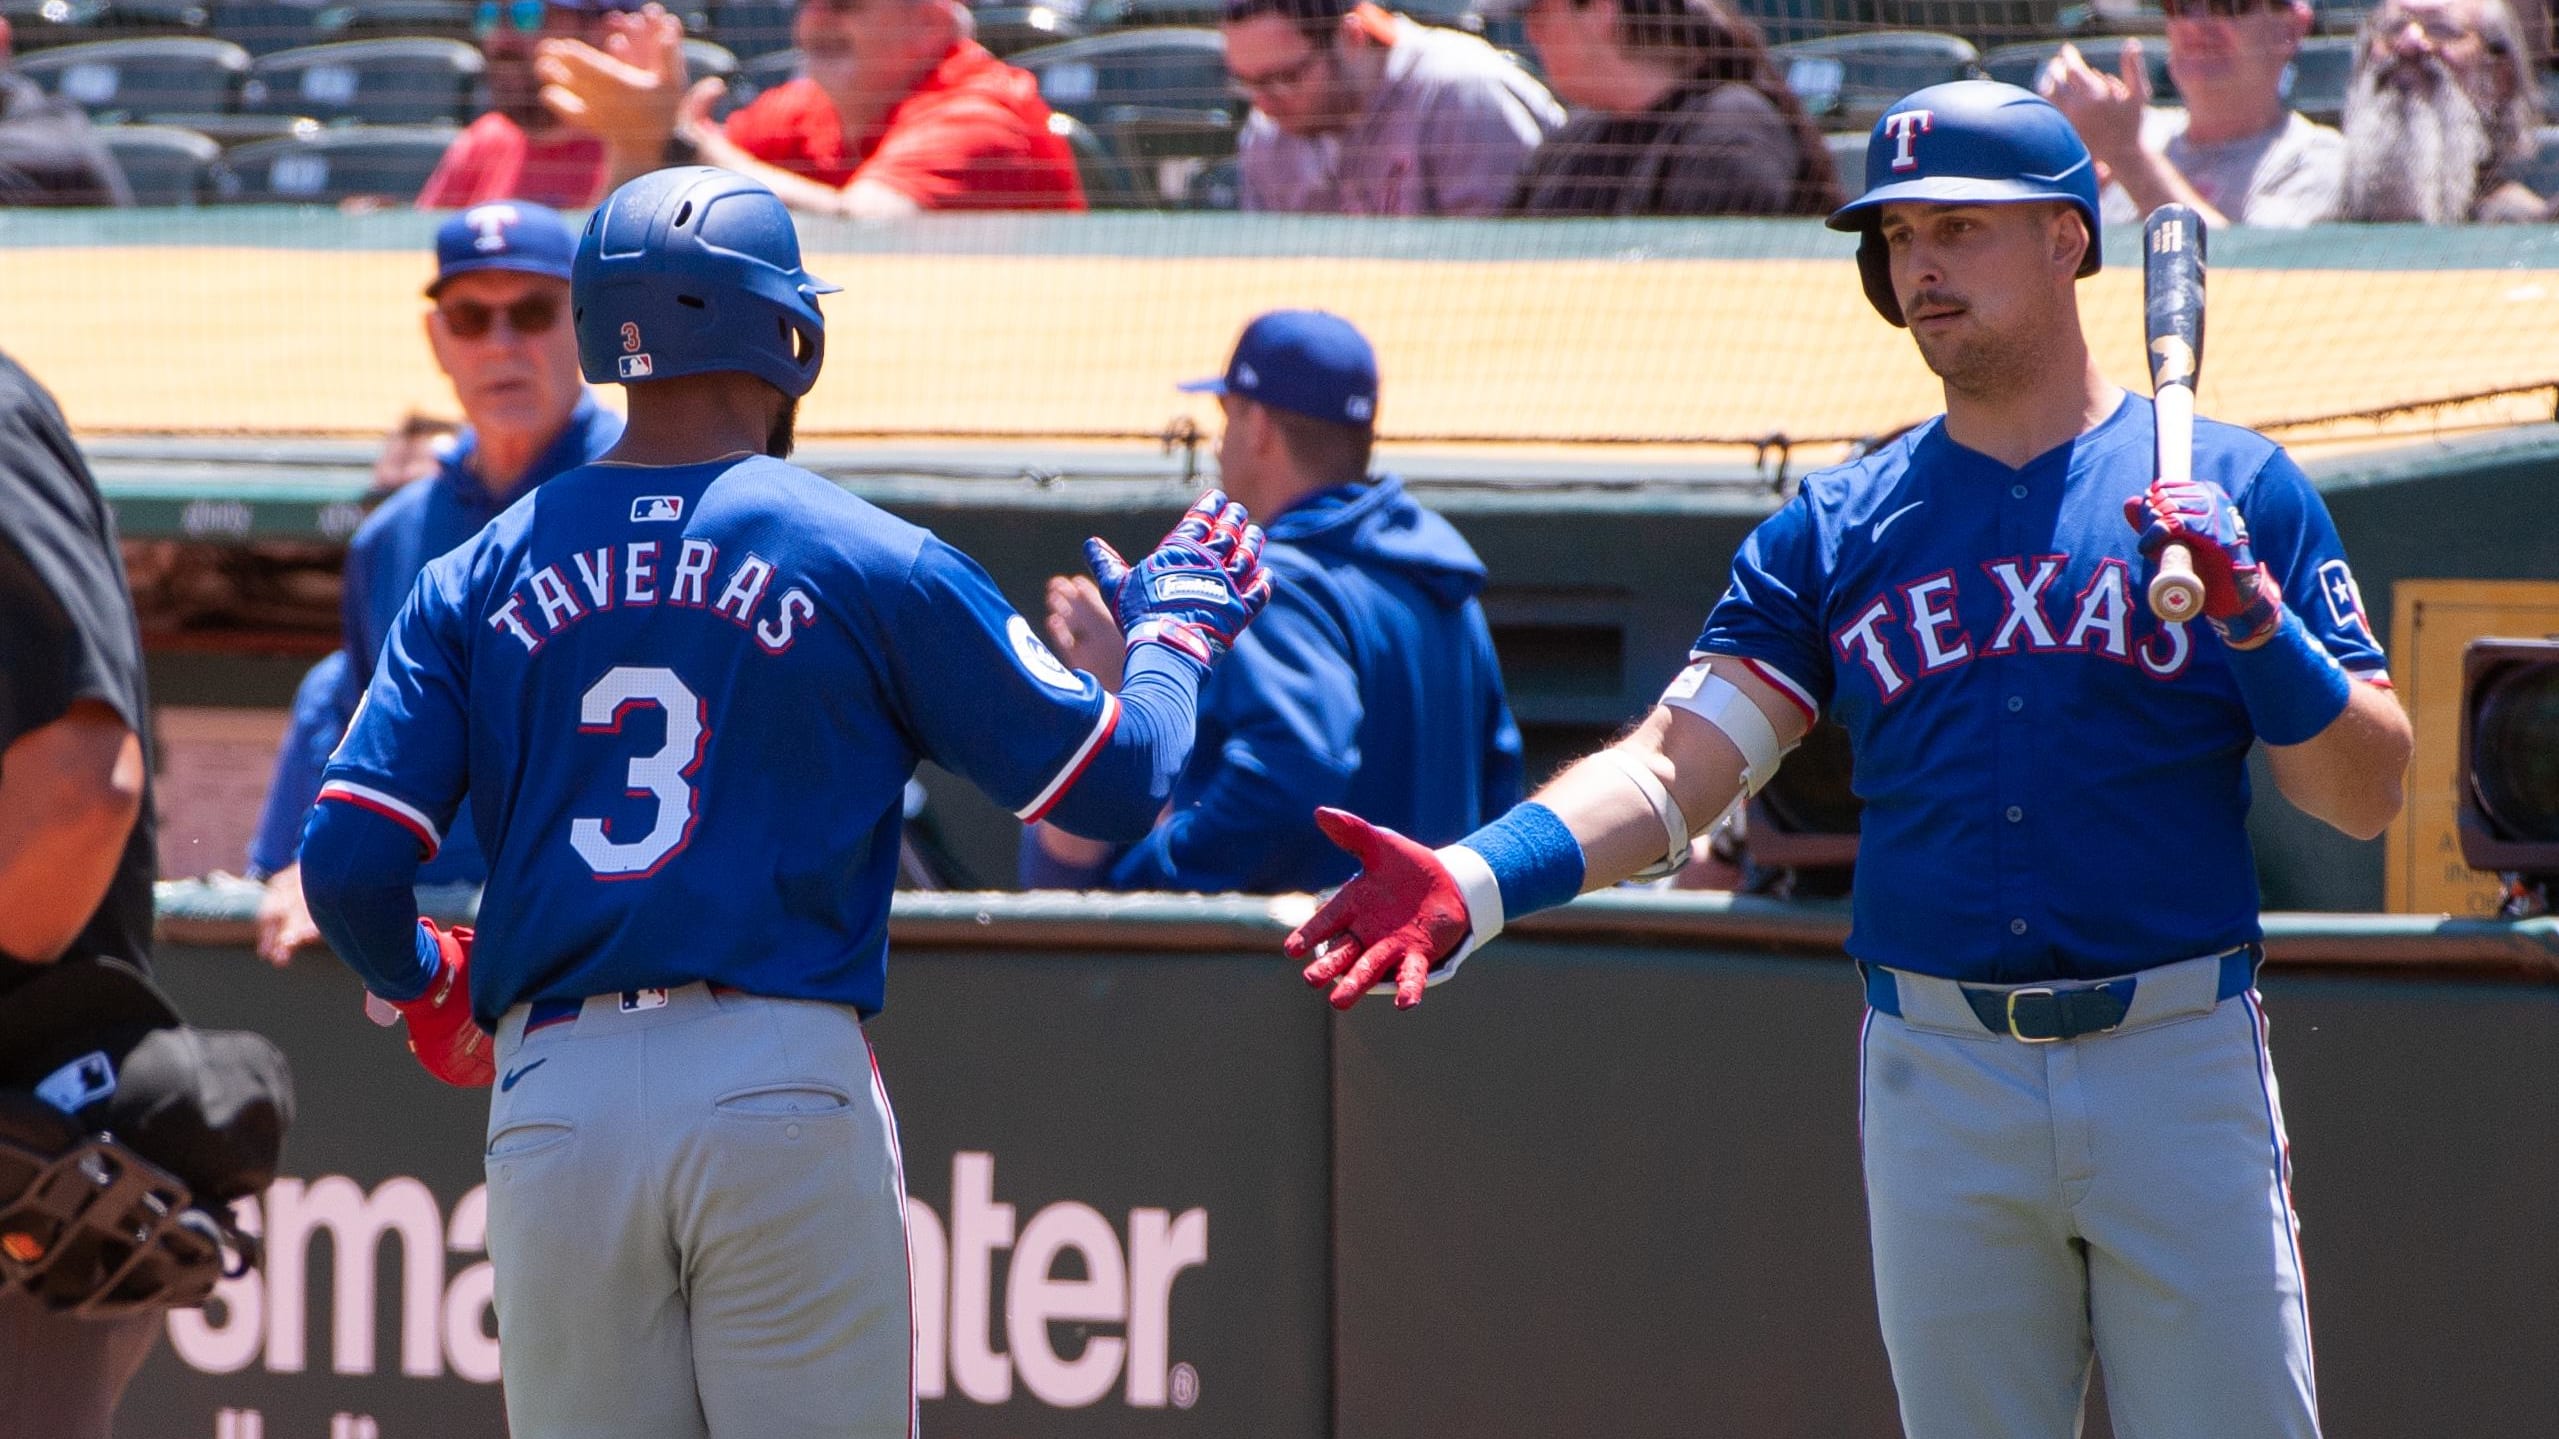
x=93, y=1229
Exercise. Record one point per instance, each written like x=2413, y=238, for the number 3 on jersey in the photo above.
x=664, y=775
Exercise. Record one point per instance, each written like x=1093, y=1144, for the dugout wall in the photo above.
x=1606, y=1184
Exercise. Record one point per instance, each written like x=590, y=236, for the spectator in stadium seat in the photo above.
x=1678, y=109
x=1356, y=111
x=1370, y=680
x=896, y=110
x=49, y=153
x=499, y=327
x=2236, y=151
x=524, y=148
x=2444, y=99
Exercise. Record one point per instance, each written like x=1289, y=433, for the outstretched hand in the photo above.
x=1400, y=916
x=1197, y=590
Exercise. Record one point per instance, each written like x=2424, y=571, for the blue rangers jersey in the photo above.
x=683, y=703
x=2032, y=746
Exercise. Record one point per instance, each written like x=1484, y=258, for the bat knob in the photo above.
x=2176, y=593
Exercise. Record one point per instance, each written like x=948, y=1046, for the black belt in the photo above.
x=2045, y=1013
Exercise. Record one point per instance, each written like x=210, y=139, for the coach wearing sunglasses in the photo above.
x=499, y=326
x=2236, y=152
x=523, y=148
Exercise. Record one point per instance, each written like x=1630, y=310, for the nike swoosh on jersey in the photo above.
x=513, y=1075
x=1895, y=515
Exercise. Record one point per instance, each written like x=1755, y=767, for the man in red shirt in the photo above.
x=896, y=110
x=523, y=148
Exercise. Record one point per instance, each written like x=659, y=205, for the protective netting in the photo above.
x=213, y=308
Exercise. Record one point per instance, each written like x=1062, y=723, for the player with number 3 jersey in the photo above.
x=683, y=689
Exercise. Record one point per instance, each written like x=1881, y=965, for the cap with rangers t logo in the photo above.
x=516, y=235
x=1970, y=142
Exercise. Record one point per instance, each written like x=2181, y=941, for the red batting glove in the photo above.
x=1402, y=913
x=442, y=1033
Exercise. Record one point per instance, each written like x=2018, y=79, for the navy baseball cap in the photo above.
x=516, y=235
x=1307, y=362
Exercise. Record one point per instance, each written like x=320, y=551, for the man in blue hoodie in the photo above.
x=499, y=326
x=1370, y=679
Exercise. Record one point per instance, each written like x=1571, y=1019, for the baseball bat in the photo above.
x=2172, y=287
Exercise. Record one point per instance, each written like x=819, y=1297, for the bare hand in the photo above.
x=1083, y=629
x=284, y=919
x=2105, y=109
x=627, y=94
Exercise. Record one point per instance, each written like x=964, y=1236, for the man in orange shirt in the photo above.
x=896, y=110
x=521, y=149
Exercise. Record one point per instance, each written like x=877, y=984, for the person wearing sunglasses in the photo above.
x=1359, y=112
x=2443, y=104
x=498, y=323
x=2236, y=151
x=895, y=110
x=523, y=147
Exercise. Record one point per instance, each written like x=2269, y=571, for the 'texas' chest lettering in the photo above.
x=1917, y=629
x=640, y=575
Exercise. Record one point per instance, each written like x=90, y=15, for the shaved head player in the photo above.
x=2072, y=1138
x=683, y=688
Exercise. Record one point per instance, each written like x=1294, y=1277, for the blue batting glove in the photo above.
x=1197, y=590
x=2240, y=598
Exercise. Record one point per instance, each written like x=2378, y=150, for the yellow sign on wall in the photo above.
x=2431, y=622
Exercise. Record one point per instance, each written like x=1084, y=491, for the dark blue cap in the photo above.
x=516, y=235
x=1307, y=362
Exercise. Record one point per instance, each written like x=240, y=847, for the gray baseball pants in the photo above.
x=697, y=1223
x=2124, y=1194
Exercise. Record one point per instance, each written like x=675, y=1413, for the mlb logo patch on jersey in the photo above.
x=1044, y=666
x=635, y=1000
x=2345, y=601
x=657, y=507
x=636, y=367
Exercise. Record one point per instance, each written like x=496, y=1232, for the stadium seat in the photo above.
x=752, y=28
x=1106, y=183
x=262, y=27
x=2022, y=64
x=229, y=130
x=704, y=59
x=1848, y=156
x=158, y=17
x=1101, y=15
x=1852, y=79
x=1010, y=29
x=418, y=81
x=164, y=164
x=142, y=79
x=1159, y=99
x=2539, y=171
x=390, y=162
x=381, y=19
x=2320, y=74
x=1217, y=186
x=754, y=77
x=42, y=24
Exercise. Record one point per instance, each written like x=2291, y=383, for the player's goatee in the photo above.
x=779, y=439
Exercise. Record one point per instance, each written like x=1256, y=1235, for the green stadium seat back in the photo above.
x=424, y=80
x=1217, y=186
x=159, y=17
x=752, y=27
x=1101, y=15
x=1855, y=78
x=1160, y=72
x=229, y=130
x=42, y=24
x=1011, y=29
x=2316, y=81
x=754, y=76
x=1107, y=184
x=163, y=164
x=384, y=19
x=1788, y=21
x=390, y=162
x=1848, y=156
x=2539, y=171
x=262, y=27
x=2023, y=63
x=706, y=58
x=141, y=79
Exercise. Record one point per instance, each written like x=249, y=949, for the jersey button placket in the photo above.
x=2016, y=863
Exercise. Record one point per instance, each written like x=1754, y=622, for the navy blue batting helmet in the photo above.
x=696, y=271
x=1970, y=142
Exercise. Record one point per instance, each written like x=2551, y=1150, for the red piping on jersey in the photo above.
x=426, y=841
x=1082, y=761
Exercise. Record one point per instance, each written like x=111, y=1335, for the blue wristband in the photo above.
x=1534, y=859
x=2292, y=686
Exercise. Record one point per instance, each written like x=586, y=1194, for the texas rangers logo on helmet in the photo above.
x=491, y=221
x=1906, y=128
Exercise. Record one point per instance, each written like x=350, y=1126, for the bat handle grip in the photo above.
x=2176, y=595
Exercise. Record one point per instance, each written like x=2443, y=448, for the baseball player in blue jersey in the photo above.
x=683, y=688
x=2072, y=1137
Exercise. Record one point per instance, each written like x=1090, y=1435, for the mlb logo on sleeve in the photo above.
x=657, y=507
